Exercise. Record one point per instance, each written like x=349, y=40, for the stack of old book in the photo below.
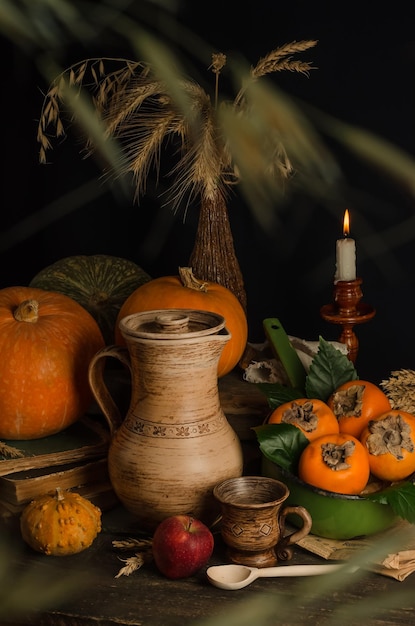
x=74, y=459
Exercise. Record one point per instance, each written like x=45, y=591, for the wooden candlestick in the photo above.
x=347, y=310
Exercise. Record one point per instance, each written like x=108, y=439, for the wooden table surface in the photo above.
x=94, y=596
x=146, y=598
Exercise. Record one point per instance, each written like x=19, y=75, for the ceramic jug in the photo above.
x=175, y=443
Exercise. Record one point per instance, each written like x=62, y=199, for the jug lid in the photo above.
x=173, y=324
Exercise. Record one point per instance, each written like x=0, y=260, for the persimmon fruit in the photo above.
x=336, y=462
x=390, y=442
x=355, y=403
x=312, y=416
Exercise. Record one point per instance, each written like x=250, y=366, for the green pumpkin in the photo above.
x=100, y=283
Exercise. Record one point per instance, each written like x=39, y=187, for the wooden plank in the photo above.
x=243, y=403
x=147, y=598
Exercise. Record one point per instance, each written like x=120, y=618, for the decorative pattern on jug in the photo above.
x=196, y=429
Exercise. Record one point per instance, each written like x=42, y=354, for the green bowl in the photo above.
x=335, y=516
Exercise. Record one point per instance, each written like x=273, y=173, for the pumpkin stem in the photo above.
x=27, y=311
x=189, y=280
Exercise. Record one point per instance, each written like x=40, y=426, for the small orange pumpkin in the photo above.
x=46, y=343
x=60, y=524
x=187, y=292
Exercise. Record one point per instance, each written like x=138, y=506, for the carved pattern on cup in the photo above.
x=237, y=530
x=265, y=530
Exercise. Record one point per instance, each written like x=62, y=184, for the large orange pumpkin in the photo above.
x=186, y=292
x=46, y=343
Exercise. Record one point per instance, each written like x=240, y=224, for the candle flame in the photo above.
x=346, y=223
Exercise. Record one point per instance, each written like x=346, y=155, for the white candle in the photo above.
x=345, y=254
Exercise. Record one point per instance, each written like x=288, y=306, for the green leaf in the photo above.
x=282, y=444
x=329, y=369
x=277, y=394
x=401, y=499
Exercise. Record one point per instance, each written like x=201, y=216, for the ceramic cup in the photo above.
x=253, y=520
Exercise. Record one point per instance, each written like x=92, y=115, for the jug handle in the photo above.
x=99, y=387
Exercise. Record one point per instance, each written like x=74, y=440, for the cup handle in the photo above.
x=283, y=549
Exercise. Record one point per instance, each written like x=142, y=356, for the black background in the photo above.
x=365, y=62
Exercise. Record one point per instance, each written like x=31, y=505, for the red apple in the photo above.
x=182, y=545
